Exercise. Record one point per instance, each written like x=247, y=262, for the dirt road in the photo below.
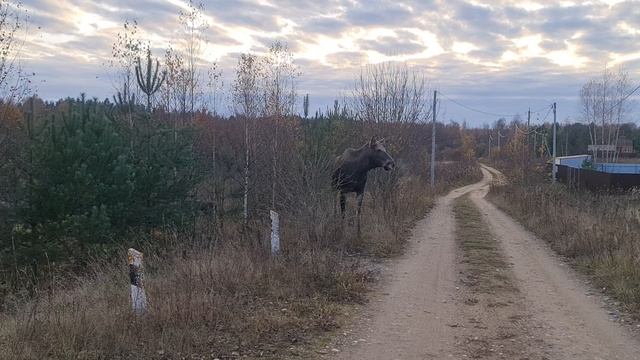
x=422, y=310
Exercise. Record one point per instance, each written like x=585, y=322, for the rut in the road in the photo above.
x=423, y=310
x=411, y=317
x=573, y=322
x=495, y=323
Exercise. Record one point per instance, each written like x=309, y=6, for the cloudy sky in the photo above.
x=498, y=56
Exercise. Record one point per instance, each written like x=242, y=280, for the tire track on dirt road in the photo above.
x=413, y=316
x=418, y=311
x=574, y=324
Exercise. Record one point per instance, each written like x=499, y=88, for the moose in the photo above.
x=351, y=170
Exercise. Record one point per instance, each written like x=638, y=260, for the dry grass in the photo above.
x=485, y=267
x=226, y=300
x=599, y=232
x=209, y=303
x=494, y=305
x=389, y=217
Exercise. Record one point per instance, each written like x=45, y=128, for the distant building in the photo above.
x=579, y=171
x=625, y=147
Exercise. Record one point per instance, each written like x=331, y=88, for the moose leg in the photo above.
x=343, y=203
x=359, y=198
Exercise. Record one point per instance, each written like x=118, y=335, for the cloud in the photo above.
x=378, y=13
x=348, y=59
x=480, y=51
x=325, y=25
x=401, y=43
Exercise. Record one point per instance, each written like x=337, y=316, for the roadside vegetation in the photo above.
x=597, y=231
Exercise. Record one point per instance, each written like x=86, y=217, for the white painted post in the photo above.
x=275, y=233
x=136, y=274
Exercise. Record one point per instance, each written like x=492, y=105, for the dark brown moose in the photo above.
x=352, y=168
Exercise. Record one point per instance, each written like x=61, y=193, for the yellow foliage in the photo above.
x=10, y=116
x=468, y=148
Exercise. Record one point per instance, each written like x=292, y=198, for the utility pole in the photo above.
x=526, y=154
x=566, y=139
x=489, y=145
x=433, y=142
x=528, y=133
x=553, y=165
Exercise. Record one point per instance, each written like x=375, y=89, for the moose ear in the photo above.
x=381, y=141
x=372, y=142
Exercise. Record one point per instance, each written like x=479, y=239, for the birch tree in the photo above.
x=604, y=109
x=176, y=92
x=279, y=93
x=14, y=86
x=215, y=86
x=246, y=94
x=125, y=51
x=14, y=81
x=194, y=24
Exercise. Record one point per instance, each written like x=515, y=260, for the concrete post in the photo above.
x=136, y=275
x=275, y=233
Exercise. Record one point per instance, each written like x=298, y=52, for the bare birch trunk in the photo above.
x=275, y=167
x=245, y=200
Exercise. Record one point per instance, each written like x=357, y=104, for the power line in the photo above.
x=542, y=108
x=537, y=111
x=523, y=131
x=548, y=112
x=623, y=99
x=473, y=109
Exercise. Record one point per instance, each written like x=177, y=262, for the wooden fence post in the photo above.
x=136, y=275
x=275, y=233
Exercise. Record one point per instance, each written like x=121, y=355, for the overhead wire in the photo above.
x=474, y=109
x=549, y=107
x=623, y=99
x=542, y=108
x=547, y=114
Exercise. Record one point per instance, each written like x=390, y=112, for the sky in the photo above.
x=501, y=57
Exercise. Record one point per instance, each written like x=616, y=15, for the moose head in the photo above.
x=378, y=156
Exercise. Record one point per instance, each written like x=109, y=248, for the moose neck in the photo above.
x=365, y=162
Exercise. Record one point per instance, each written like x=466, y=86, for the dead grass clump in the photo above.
x=492, y=299
x=485, y=267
